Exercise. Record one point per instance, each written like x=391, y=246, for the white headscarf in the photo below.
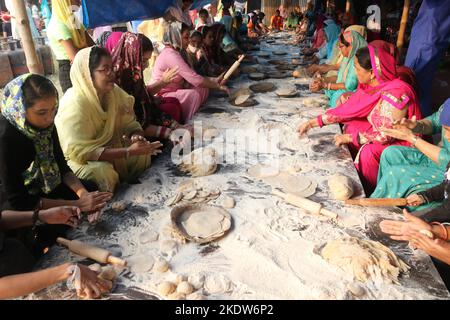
x=172, y=34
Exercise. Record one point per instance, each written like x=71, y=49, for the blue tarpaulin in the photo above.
x=98, y=13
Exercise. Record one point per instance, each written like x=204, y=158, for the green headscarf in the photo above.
x=43, y=173
x=357, y=42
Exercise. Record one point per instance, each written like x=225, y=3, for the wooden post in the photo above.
x=23, y=25
x=269, y=7
x=403, y=23
x=348, y=6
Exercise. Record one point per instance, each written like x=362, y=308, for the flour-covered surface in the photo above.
x=273, y=248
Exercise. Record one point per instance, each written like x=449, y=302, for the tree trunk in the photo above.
x=23, y=25
x=269, y=7
x=403, y=23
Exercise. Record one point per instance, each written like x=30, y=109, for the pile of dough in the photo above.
x=341, y=187
x=193, y=195
x=364, y=259
x=205, y=223
x=200, y=162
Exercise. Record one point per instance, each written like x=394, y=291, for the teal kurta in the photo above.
x=405, y=171
x=351, y=83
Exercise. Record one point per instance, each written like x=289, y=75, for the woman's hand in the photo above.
x=341, y=139
x=408, y=123
x=225, y=89
x=305, y=127
x=399, y=132
x=403, y=230
x=317, y=85
x=140, y=148
x=415, y=200
x=437, y=248
x=61, y=215
x=93, y=201
x=169, y=75
x=90, y=285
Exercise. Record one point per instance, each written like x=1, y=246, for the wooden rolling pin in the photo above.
x=308, y=205
x=233, y=67
x=378, y=202
x=88, y=251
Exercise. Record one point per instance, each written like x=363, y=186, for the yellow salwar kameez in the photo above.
x=86, y=128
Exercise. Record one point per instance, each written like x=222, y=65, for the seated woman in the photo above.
x=188, y=87
x=276, y=21
x=211, y=49
x=130, y=58
x=260, y=22
x=97, y=128
x=436, y=244
x=380, y=100
x=330, y=67
x=33, y=171
x=253, y=29
x=230, y=49
x=332, y=32
x=293, y=20
x=16, y=262
x=404, y=170
x=318, y=40
x=346, y=81
x=193, y=54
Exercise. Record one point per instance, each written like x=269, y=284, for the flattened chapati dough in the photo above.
x=203, y=224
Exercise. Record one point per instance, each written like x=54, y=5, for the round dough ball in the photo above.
x=228, y=202
x=119, y=206
x=197, y=280
x=341, y=187
x=177, y=296
x=179, y=278
x=161, y=266
x=185, y=287
x=196, y=296
x=165, y=288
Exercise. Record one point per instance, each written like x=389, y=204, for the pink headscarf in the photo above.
x=404, y=73
x=112, y=41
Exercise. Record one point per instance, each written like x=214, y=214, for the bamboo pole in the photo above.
x=348, y=6
x=403, y=23
x=20, y=14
